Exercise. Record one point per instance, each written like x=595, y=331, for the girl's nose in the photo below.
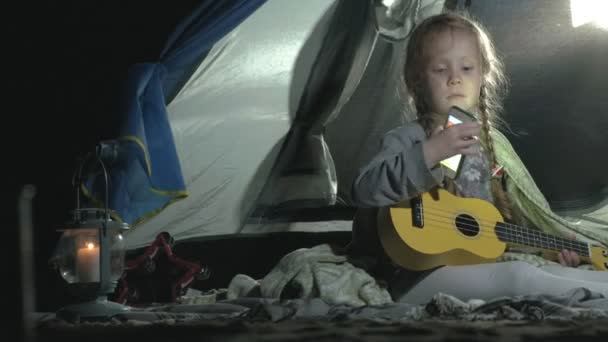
x=454, y=79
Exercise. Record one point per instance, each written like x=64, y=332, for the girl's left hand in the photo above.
x=569, y=258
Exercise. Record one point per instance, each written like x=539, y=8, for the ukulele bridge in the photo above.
x=417, y=212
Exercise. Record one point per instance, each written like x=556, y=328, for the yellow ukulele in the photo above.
x=438, y=228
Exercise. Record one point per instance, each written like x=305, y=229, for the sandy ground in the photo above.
x=311, y=330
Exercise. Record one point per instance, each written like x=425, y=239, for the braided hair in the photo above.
x=493, y=89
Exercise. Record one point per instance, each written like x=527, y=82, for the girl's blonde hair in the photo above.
x=493, y=86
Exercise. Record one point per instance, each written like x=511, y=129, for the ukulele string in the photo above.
x=517, y=230
x=472, y=226
x=439, y=224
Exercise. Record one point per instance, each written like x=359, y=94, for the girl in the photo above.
x=451, y=61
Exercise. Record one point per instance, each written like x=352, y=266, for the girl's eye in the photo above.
x=467, y=68
x=439, y=69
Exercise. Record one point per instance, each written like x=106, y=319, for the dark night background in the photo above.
x=67, y=64
x=68, y=59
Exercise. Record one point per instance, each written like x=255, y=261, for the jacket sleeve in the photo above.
x=398, y=172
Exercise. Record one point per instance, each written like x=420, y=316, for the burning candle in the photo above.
x=87, y=263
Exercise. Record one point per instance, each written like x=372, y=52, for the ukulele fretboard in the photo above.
x=523, y=236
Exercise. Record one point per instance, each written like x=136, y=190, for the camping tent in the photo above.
x=258, y=114
x=237, y=119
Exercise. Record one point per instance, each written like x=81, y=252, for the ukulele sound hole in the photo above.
x=467, y=225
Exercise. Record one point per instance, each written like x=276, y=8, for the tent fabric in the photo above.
x=305, y=159
x=147, y=175
x=270, y=122
x=233, y=118
x=195, y=36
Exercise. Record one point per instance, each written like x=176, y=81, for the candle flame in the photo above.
x=90, y=245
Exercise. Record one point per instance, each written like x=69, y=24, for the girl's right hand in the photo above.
x=446, y=142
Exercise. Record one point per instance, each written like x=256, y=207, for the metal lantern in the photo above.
x=90, y=254
x=91, y=248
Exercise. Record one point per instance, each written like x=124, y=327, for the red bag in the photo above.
x=157, y=276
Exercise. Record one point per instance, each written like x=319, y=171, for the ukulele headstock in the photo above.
x=599, y=257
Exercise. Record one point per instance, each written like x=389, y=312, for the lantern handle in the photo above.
x=101, y=151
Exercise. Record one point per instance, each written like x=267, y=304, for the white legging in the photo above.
x=487, y=281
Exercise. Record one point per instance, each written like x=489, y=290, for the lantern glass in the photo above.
x=117, y=255
x=78, y=255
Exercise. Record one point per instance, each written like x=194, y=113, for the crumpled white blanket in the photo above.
x=316, y=272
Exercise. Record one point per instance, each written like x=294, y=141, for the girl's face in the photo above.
x=452, y=75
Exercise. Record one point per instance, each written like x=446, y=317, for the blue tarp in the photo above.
x=147, y=175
